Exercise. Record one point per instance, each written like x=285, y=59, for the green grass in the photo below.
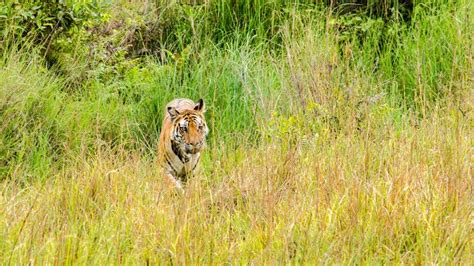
x=341, y=139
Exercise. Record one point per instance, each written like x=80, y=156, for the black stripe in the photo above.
x=196, y=163
x=171, y=165
x=178, y=152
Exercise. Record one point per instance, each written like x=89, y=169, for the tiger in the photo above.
x=182, y=139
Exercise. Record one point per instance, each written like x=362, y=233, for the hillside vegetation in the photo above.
x=341, y=132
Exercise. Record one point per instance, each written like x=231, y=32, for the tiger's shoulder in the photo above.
x=180, y=104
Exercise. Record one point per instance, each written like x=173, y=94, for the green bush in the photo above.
x=43, y=21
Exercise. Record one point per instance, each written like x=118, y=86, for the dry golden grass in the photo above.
x=379, y=195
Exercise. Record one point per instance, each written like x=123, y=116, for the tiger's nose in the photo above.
x=193, y=148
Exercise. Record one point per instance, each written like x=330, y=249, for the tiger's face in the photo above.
x=189, y=128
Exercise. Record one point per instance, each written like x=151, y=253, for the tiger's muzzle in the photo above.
x=193, y=148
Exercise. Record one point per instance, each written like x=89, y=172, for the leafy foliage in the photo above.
x=43, y=21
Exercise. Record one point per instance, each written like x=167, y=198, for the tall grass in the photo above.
x=124, y=112
x=337, y=136
x=381, y=197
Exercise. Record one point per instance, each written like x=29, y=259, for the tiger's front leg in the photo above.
x=175, y=182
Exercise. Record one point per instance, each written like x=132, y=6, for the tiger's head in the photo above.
x=189, y=128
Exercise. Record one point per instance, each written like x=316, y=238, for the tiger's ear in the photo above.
x=172, y=112
x=200, y=106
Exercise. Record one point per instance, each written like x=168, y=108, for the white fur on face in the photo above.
x=183, y=123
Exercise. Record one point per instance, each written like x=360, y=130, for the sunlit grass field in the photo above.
x=335, y=137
